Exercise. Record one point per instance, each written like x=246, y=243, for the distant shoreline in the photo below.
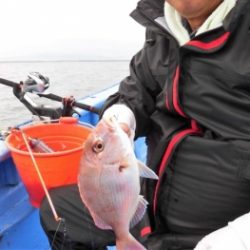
x=46, y=61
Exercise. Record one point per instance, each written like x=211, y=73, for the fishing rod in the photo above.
x=74, y=103
x=8, y=83
x=37, y=84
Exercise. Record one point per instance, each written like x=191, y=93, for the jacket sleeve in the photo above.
x=138, y=92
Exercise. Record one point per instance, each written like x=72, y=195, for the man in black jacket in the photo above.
x=189, y=93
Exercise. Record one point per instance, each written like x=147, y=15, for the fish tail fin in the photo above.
x=129, y=243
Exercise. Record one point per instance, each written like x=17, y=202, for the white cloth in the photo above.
x=214, y=21
x=235, y=236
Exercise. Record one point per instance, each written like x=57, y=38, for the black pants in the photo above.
x=79, y=231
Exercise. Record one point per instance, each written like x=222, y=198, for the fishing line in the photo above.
x=68, y=246
x=90, y=226
x=54, y=237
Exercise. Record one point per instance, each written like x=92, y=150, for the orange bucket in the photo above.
x=58, y=168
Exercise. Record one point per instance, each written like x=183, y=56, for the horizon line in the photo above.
x=65, y=60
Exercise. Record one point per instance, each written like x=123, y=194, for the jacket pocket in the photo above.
x=244, y=169
x=243, y=159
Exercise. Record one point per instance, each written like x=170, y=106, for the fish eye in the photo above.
x=98, y=146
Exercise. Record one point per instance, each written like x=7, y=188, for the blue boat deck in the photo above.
x=20, y=227
x=19, y=221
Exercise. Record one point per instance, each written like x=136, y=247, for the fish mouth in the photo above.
x=111, y=123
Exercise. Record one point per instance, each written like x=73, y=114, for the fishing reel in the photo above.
x=28, y=93
x=36, y=83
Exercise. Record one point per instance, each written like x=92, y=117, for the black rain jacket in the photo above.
x=193, y=105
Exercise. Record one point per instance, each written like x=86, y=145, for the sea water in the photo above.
x=76, y=78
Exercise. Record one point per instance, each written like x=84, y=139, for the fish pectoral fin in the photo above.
x=140, y=211
x=146, y=172
x=100, y=222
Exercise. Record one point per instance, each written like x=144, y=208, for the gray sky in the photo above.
x=68, y=29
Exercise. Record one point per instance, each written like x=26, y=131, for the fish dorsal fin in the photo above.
x=99, y=222
x=140, y=211
x=146, y=172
